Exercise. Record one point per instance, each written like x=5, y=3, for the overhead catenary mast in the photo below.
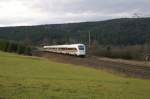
x=89, y=39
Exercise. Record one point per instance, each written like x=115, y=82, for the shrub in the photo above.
x=125, y=52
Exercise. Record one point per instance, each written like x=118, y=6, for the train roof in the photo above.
x=70, y=45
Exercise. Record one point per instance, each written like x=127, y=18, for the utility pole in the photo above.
x=89, y=39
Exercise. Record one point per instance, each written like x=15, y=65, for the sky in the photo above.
x=36, y=12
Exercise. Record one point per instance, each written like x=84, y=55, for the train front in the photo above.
x=81, y=50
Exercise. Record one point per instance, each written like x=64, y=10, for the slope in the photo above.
x=125, y=31
x=23, y=77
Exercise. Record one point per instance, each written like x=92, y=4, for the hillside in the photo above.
x=23, y=77
x=130, y=68
x=125, y=31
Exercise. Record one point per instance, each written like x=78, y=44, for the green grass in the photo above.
x=33, y=78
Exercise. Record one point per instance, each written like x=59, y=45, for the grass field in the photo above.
x=33, y=78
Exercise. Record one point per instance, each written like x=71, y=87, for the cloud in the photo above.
x=30, y=12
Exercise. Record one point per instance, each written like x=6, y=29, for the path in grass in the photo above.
x=33, y=78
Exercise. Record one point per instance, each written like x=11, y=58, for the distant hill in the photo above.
x=125, y=31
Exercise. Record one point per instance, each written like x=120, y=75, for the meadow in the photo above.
x=23, y=77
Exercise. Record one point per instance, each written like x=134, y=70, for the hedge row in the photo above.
x=14, y=47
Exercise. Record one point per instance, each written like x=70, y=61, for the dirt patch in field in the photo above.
x=127, y=68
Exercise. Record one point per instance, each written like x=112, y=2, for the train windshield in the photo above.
x=81, y=47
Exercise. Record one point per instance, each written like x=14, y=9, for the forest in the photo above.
x=108, y=36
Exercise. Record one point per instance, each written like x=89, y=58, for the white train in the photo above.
x=73, y=49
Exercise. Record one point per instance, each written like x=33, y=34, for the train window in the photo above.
x=81, y=47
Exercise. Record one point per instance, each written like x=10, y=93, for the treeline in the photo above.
x=134, y=52
x=10, y=46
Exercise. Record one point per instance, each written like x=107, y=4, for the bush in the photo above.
x=4, y=45
x=125, y=52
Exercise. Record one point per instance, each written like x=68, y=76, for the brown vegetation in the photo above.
x=136, y=52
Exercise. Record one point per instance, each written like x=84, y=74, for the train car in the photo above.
x=72, y=49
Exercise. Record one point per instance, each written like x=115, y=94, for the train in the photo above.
x=72, y=49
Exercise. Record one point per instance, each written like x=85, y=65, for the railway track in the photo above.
x=127, y=69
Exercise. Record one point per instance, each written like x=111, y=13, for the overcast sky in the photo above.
x=34, y=12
